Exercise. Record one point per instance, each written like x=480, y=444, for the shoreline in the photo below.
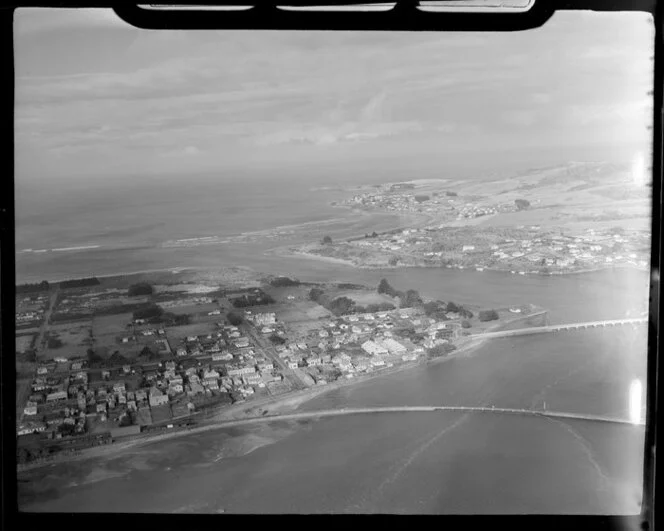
x=246, y=412
x=285, y=253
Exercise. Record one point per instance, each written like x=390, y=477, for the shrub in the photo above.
x=142, y=288
x=488, y=315
x=235, y=318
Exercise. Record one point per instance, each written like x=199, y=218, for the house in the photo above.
x=253, y=379
x=60, y=359
x=467, y=248
x=141, y=395
x=211, y=380
x=392, y=346
x=313, y=361
x=59, y=395
x=377, y=362
x=101, y=407
x=30, y=410
x=175, y=380
x=323, y=333
x=374, y=349
x=181, y=352
x=212, y=384
x=77, y=366
x=267, y=318
x=292, y=365
x=105, y=375
x=239, y=371
x=157, y=398
x=175, y=388
x=119, y=387
x=242, y=342
x=210, y=374
x=267, y=366
x=42, y=370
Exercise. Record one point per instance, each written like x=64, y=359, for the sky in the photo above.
x=97, y=97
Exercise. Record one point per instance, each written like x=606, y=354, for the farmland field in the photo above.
x=23, y=342
x=303, y=311
x=177, y=333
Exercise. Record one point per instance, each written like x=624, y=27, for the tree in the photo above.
x=93, y=357
x=147, y=352
x=277, y=339
x=393, y=261
x=451, y=194
x=488, y=315
x=521, y=204
x=315, y=294
x=465, y=324
x=150, y=311
x=412, y=298
x=440, y=350
x=235, y=318
x=327, y=240
x=422, y=198
x=141, y=288
x=54, y=343
x=282, y=282
x=374, y=234
x=341, y=306
x=384, y=287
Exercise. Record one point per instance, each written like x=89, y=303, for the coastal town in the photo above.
x=111, y=363
x=572, y=218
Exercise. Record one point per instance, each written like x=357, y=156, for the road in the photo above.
x=296, y=381
x=23, y=387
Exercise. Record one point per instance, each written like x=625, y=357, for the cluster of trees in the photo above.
x=409, y=299
x=315, y=294
x=373, y=308
x=327, y=240
x=94, y=359
x=341, y=306
x=276, y=339
x=150, y=311
x=79, y=283
x=246, y=301
x=235, y=318
x=147, y=353
x=25, y=455
x=173, y=319
x=422, y=198
x=457, y=308
x=118, y=359
x=374, y=234
x=33, y=288
x=521, y=204
x=488, y=315
x=141, y=288
x=284, y=282
x=451, y=194
x=440, y=350
x=54, y=343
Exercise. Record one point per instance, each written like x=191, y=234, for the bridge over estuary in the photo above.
x=560, y=328
x=433, y=409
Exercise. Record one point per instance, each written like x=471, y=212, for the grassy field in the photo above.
x=177, y=333
x=112, y=324
x=364, y=298
x=302, y=311
x=24, y=342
